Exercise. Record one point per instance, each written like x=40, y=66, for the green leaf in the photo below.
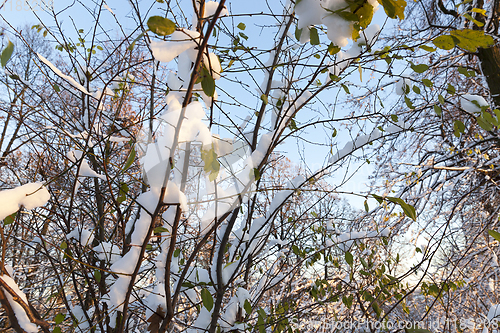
x=7, y=53
x=471, y=40
x=427, y=48
x=313, y=35
x=458, y=128
x=296, y=250
x=489, y=118
x=408, y=209
x=263, y=97
x=348, y=16
x=470, y=18
x=177, y=253
x=131, y=46
x=212, y=165
x=247, y=306
x=376, y=308
x=445, y=42
x=298, y=33
x=256, y=174
x=161, y=26
x=484, y=124
x=345, y=88
x=334, y=134
x=494, y=234
x=438, y=110
x=122, y=193
x=9, y=219
x=207, y=83
x=409, y=103
x=97, y=276
x=261, y=324
x=416, y=90
x=365, y=14
x=130, y=159
x=59, y=318
x=427, y=83
x=188, y=284
x=159, y=230
x=349, y=258
x=441, y=99
x=378, y=198
x=56, y=88
x=241, y=26
x=333, y=49
x=63, y=245
x=208, y=301
x=394, y=8
x=450, y=89
x=366, y=206
x=348, y=301
x=419, y=68
x=56, y=329
x=394, y=118
x=479, y=10
x=465, y=72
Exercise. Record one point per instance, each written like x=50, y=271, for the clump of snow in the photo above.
x=472, y=103
x=283, y=195
x=82, y=235
x=118, y=139
x=212, y=62
x=345, y=240
x=403, y=86
x=202, y=321
x=317, y=12
x=209, y=11
x=126, y=265
x=339, y=30
x=68, y=78
x=229, y=316
x=85, y=170
x=180, y=41
x=30, y=196
x=156, y=299
x=494, y=312
x=21, y=315
x=369, y=35
x=211, y=7
x=351, y=146
x=107, y=252
x=310, y=12
x=9, y=270
x=83, y=323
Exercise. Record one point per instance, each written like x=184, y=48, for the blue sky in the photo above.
x=17, y=16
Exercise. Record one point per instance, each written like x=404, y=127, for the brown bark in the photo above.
x=489, y=58
x=490, y=65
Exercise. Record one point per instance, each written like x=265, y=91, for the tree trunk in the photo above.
x=490, y=65
x=489, y=58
